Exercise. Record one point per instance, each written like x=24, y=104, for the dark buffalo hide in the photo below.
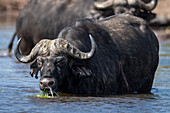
x=125, y=58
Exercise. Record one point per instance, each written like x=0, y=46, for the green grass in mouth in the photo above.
x=43, y=94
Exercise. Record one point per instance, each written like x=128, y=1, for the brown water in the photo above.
x=17, y=87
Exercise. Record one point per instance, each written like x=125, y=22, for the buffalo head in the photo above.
x=51, y=58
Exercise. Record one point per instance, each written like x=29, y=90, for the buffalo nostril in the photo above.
x=45, y=83
x=41, y=83
x=51, y=83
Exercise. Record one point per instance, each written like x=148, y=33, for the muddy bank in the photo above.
x=11, y=8
x=163, y=34
x=161, y=24
x=162, y=11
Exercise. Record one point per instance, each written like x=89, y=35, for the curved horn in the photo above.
x=73, y=51
x=103, y=5
x=23, y=58
x=147, y=6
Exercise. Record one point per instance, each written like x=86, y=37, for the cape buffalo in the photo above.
x=116, y=55
x=46, y=18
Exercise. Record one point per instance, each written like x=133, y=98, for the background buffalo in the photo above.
x=41, y=19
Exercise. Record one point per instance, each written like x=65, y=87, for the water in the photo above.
x=17, y=87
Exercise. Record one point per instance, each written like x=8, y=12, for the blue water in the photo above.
x=17, y=87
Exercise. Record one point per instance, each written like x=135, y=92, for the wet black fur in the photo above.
x=125, y=60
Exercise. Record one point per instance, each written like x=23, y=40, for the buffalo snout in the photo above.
x=47, y=83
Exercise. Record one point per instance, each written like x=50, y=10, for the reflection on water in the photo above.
x=17, y=88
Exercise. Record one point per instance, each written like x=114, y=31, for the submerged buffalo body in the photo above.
x=116, y=55
x=42, y=19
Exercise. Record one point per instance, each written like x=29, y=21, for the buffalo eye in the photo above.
x=39, y=63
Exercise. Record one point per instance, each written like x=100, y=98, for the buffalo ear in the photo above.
x=34, y=69
x=34, y=65
x=81, y=71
